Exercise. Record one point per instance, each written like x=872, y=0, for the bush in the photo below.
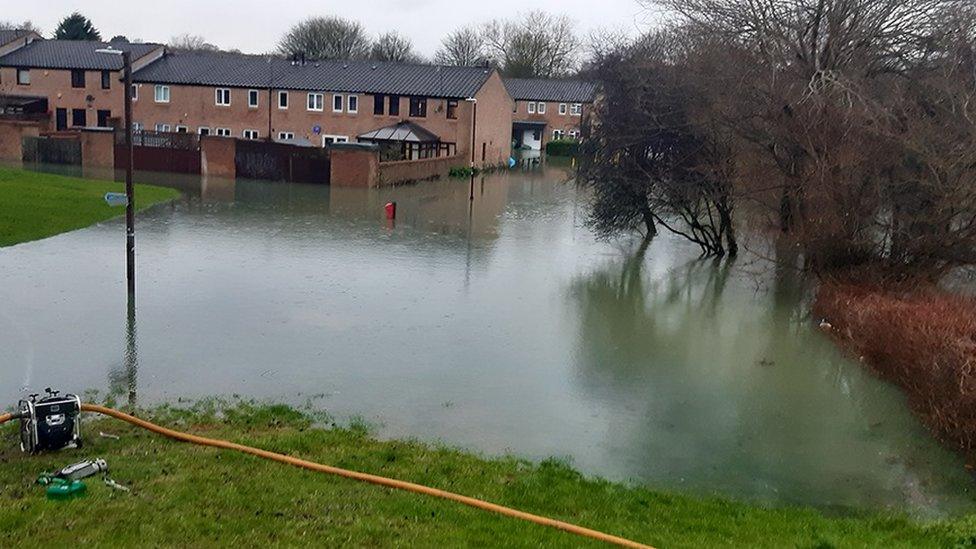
x=920, y=339
x=562, y=147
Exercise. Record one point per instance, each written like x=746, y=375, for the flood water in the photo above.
x=497, y=324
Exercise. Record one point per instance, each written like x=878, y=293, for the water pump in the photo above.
x=50, y=423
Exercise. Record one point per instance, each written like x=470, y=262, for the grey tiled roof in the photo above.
x=237, y=70
x=72, y=54
x=9, y=35
x=540, y=89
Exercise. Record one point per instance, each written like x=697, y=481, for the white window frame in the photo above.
x=576, y=109
x=283, y=93
x=161, y=93
x=254, y=135
x=223, y=132
x=335, y=139
x=135, y=92
x=530, y=107
x=257, y=99
x=160, y=127
x=181, y=126
x=558, y=134
x=202, y=128
x=541, y=107
x=319, y=101
x=23, y=81
x=350, y=99
x=574, y=134
x=282, y=136
x=217, y=94
x=136, y=127
x=337, y=97
x=563, y=109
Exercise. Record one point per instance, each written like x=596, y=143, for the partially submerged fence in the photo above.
x=281, y=162
x=52, y=149
x=160, y=151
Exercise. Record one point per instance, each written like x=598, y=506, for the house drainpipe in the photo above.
x=474, y=125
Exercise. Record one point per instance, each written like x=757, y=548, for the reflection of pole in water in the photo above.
x=124, y=380
x=131, y=362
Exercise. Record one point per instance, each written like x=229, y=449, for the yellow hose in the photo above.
x=364, y=477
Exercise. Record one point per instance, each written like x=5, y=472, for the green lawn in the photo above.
x=37, y=205
x=184, y=495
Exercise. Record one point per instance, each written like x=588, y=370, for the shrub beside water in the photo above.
x=924, y=340
x=562, y=147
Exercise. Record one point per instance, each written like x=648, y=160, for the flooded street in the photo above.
x=497, y=324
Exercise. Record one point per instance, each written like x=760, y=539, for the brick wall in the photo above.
x=493, y=131
x=12, y=133
x=97, y=149
x=218, y=157
x=56, y=86
x=393, y=173
x=354, y=166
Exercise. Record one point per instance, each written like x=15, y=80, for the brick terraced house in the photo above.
x=322, y=102
x=545, y=110
x=12, y=39
x=82, y=86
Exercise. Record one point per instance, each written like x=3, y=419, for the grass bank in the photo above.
x=921, y=338
x=185, y=495
x=37, y=205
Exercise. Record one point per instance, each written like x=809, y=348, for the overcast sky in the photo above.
x=254, y=26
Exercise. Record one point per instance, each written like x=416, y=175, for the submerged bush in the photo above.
x=923, y=340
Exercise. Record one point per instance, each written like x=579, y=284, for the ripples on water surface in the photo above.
x=498, y=324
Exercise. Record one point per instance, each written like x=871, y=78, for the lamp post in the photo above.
x=130, y=220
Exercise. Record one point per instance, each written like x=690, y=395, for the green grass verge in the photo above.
x=37, y=205
x=184, y=495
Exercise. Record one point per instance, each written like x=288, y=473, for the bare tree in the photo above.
x=463, y=48
x=191, y=42
x=326, y=38
x=25, y=26
x=537, y=44
x=392, y=46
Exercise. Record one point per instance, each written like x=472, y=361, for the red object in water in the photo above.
x=390, y=210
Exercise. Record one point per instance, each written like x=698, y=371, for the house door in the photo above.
x=532, y=139
x=61, y=119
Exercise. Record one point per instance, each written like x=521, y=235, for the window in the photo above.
x=203, y=130
x=394, y=105
x=557, y=134
x=282, y=100
x=222, y=132
x=562, y=108
x=250, y=134
x=102, y=117
x=106, y=80
x=352, y=103
x=530, y=107
x=160, y=127
x=136, y=127
x=379, y=101
x=452, y=109
x=284, y=136
x=23, y=77
x=252, y=98
x=77, y=78
x=336, y=103
x=135, y=92
x=78, y=117
x=315, y=101
x=181, y=128
x=329, y=139
x=541, y=109
x=577, y=109
x=162, y=93
x=418, y=107
x=574, y=134
x=222, y=97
